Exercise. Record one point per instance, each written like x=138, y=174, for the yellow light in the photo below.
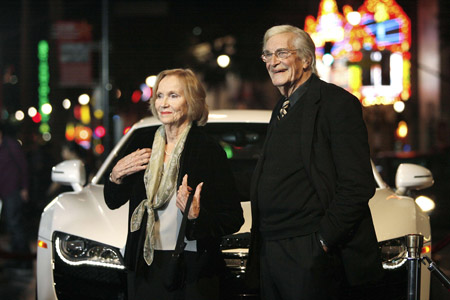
x=98, y=114
x=85, y=114
x=355, y=77
x=42, y=244
x=426, y=249
x=346, y=9
x=402, y=129
x=329, y=6
x=381, y=13
x=404, y=95
x=70, y=131
x=405, y=46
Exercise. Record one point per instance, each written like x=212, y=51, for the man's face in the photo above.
x=289, y=73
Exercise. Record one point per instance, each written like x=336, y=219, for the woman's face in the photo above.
x=170, y=102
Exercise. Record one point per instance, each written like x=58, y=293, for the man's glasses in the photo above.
x=279, y=53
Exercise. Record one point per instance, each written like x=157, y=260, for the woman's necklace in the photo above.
x=168, y=154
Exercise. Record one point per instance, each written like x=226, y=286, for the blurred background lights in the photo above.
x=85, y=114
x=99, y=149
x=136, y=96
x=354, y=18
x=146, y=92
x=402, y=129
x=118, y=93
x=125, y=130
x=37, y=118
x=223, y=61
x=83, y=134
x=32, y=111
x=19, y=115
x=47, y=136
x=376, y=56
x=425, y=203
x=83, y=99
x=100, y=131
x=46, y=108
x=98, y=114
x=44, y=128
x=399, y=106
x=66, y=103
x=150, y=81
x=197, y=30
x=328, y=59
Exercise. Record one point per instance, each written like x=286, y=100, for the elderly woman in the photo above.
x=157, y=182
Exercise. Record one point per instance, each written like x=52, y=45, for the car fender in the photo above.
x=85, y=214
x=396, y=216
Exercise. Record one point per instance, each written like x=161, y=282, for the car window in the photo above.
x=132, y=143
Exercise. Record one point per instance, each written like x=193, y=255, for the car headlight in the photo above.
x=393, y=253
x=75, y=250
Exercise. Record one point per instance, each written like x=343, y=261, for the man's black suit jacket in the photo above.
x=335, y=152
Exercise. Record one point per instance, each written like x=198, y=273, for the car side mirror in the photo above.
x=70, y=172
x=411, y=176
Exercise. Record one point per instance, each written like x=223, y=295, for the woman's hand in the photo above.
x=130, y=164
x=183, y=193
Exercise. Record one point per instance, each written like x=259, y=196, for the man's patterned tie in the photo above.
x=284, y=108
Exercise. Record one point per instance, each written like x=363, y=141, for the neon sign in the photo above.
x=373, y=53
x=44, y=88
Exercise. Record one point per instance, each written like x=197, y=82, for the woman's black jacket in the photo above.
x=220, y=210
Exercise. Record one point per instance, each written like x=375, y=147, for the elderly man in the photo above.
x=312, y=230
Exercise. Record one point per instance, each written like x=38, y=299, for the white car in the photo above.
x=81, y=242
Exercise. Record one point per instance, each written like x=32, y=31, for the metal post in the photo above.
x=414, y=243
x=105, y=85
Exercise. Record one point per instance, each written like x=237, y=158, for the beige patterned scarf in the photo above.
x=159, y=186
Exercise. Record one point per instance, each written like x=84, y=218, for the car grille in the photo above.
x=88, y=282
x=235, y=253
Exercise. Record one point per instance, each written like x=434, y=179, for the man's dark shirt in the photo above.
x=287, y=202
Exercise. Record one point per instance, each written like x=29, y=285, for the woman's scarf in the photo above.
x=159, y=186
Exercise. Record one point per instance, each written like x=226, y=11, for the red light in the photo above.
x=355, y=56
x=99, y=149
x=100, y=131
x=126, y=130
x=77, y=112
x=37, y=118
x=136, y=96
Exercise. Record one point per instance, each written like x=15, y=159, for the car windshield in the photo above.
x=242, y=143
